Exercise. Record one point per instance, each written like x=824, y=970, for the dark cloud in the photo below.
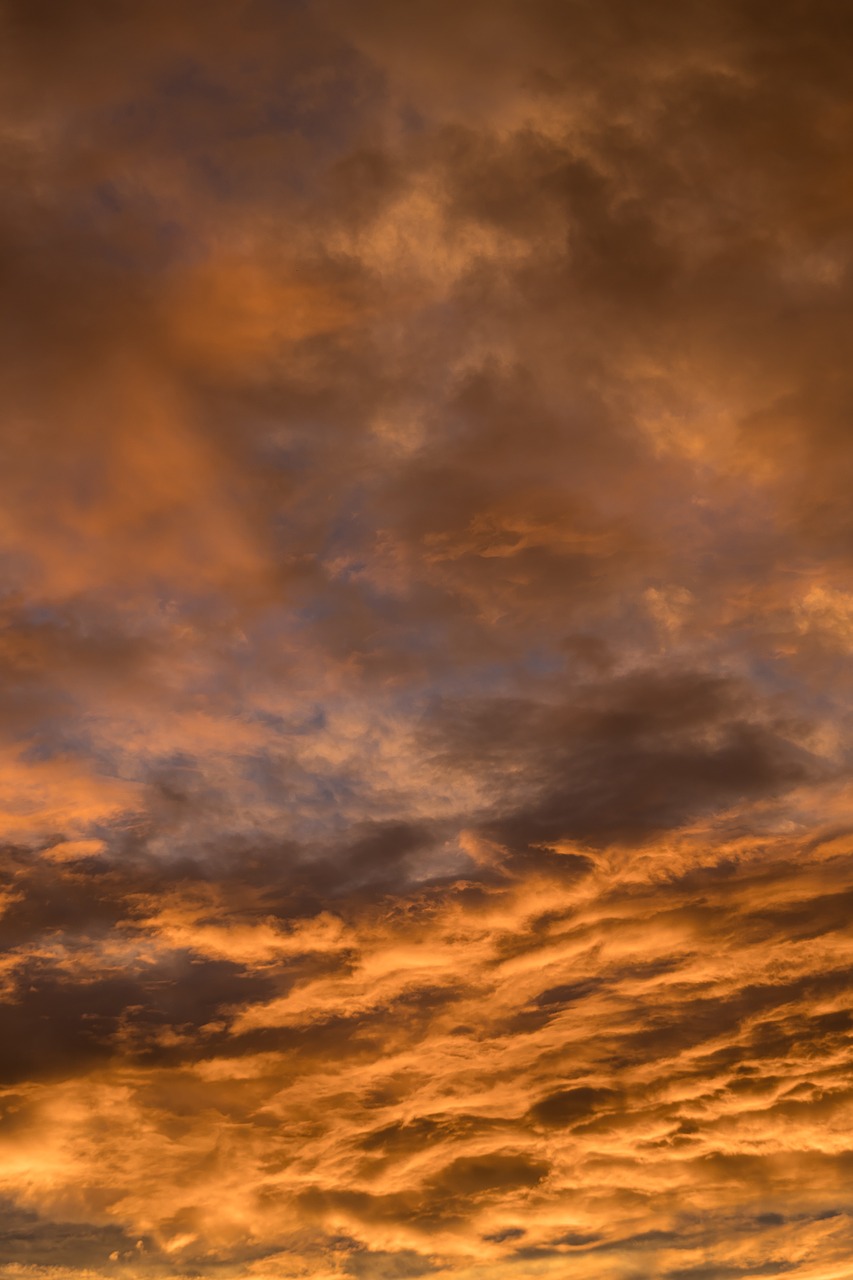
x=569, y=1106
x=28, y=1241
x=498, y=1171
x=627, y=760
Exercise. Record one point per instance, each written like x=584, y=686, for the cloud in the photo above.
x=425, y=723
x=629, y=759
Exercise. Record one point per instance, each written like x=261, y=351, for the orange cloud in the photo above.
x=426, y=595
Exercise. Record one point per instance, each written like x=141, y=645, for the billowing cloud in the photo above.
x=426, y=846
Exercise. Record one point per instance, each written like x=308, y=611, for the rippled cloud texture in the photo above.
x=427, y=606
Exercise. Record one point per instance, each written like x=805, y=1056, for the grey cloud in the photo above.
x=627, y=760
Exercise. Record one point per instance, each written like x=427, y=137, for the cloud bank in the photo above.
x=427, y=601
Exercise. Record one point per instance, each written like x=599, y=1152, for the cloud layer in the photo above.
x=427, y=604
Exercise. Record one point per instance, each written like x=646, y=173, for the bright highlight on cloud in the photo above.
x=426, y=625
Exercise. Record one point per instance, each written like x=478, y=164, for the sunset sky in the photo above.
x=426, y=529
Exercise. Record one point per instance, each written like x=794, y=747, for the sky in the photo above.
x=426, y=612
